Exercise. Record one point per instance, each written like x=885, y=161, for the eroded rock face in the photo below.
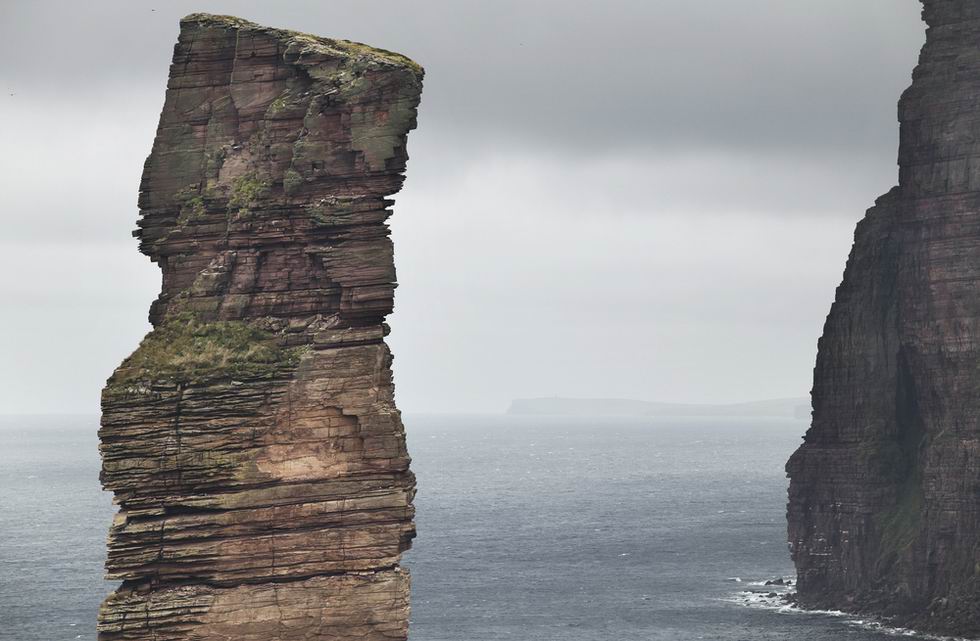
x=883, y=499
x=252, y=441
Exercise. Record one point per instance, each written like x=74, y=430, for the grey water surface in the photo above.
x=530, y=528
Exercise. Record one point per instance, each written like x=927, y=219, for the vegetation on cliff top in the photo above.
x=346, y=47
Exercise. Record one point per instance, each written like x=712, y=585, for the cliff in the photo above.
x=883, y=498
x=252, y=440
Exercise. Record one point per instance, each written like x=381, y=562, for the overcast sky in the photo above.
x=646, y=199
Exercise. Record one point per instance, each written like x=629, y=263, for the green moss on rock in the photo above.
x=291, y=181
x=185, y=349
x=900, y=525
x=327, y=45
x=191, y=210
x=278, y=104
x=245, y=190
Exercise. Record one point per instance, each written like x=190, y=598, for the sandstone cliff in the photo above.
x=252, y=440
x=883, y=499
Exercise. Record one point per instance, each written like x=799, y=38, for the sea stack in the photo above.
x=252, y=440
x=885, y=490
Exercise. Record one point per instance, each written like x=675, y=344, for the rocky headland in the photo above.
x=885, y=490
x=252, y=440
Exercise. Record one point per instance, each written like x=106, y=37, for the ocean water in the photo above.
x=530, y=528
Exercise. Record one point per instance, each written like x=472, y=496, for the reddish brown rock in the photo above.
x=252, y=441
x=884, y=493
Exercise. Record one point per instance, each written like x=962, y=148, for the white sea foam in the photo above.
x=775, y=598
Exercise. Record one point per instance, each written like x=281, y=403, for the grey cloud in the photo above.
x=585, y=76
x=643, y=198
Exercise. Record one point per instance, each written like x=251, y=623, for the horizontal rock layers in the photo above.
x=252, y=440
x=883, y=500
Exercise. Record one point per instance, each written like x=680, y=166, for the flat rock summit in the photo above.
x=252, y=440
x=883, y=500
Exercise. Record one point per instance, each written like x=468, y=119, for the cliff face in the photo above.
x=883, y=499
x=252, y=440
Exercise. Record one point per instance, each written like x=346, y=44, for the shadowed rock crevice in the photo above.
x=883, y=511
x=252, y=441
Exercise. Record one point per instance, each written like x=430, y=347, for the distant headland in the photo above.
x=776, y=408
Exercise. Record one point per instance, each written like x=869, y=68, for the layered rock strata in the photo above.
x=885, y=490
x=252, y=440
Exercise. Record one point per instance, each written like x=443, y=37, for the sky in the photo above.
x=643, y=199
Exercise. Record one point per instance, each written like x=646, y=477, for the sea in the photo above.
x=530, y=528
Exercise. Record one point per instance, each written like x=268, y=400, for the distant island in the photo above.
x=775, y=408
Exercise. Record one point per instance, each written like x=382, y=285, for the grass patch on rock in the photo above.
x=245, y=190
x=185, y=349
